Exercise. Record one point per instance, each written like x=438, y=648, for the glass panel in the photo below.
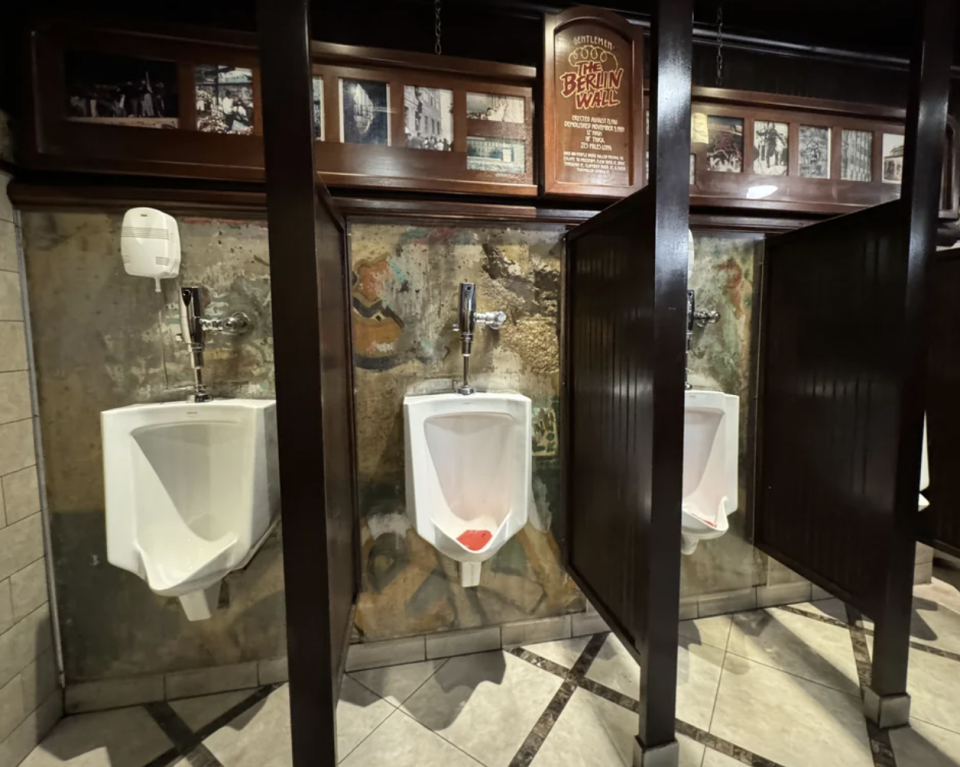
x=318, y=128
x=224, y=99
x=496, y=155
x=814, y=151
x=119, y=90
x=892, y=158
x=489, y=106
x=364, y=112
x=725, y=144
x=856, y=156
x=428, y=118
x=770, y=143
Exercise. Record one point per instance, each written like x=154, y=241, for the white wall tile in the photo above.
x=11, y=707
x=273, y=671
x=8, y=243
x=21, y=544
x=783, y=594
x=11, y=304
x=24, y=643
x=727, y=602
x=206, y=681
x=6, y=606
x=582, y=624
x=6, y=207
x=28, y=588
x=16, y=446
x=392, y=652
x=13, y=346
x=14, y=396
x=23, y=739
x=529, y=632
x=39, y=679
x=21, y=494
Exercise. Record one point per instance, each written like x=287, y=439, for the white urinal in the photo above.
x=468, y=473
x=711, y=446
x=192, y=490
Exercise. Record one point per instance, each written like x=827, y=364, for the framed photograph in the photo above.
x=725, y=144
x=814, y=151
x=428, y=118
x=364, y=112
x=892, y=158
x=770, y=141
x=856, y=155
x=224, y=99
x=120, y=90
x=496, y=155
x=489, y=106
x=318, y=108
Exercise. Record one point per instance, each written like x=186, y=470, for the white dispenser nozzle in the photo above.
x=150, y=244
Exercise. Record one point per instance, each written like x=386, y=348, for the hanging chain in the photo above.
x=719, y=46
x=436, y=25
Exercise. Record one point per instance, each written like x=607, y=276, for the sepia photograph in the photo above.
x=725, y=144
x=120, y=90
x=856, y=155
x=318, y=108
x=814, y=151
x=495, y=155
x=224, y=99
x=892, y=158
x=428, y=118
x=489, y=106
x=770, y=148
x=364, y=112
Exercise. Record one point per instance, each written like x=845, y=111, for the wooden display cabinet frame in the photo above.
x=53, y=142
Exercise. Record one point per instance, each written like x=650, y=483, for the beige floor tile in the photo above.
x=710, y=631
x=698, y=675
x=715, y=759
x=259, y=737
x=925, y=744
x=397, y=683
x=485, y=704
x=563, y=651
x=359, y=713
x=199, y=712
x=402, y=742
x=827, y=608
x=125, y=737
x=593, y=732
x=934, y=623
x=792, y=721
x=812, y=649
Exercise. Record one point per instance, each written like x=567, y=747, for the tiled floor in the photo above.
x=771, y=688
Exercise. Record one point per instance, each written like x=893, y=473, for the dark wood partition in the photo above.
x=940, y=522
x=840, y=412
x=314, y=366
x=625, y=303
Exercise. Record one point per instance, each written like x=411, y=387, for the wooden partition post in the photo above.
x=624, y=339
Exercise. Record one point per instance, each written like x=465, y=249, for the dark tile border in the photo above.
x=188, y=744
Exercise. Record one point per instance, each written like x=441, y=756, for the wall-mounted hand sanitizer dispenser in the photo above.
x=150, y=244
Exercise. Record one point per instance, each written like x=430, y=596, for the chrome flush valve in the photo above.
x=467, y=323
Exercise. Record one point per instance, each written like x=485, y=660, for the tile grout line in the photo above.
x=400, y=712
x=571, y=681
x=395, y=708
x=703, y=737
x=881, y=749
x=723, y=663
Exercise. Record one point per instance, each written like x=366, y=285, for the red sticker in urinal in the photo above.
x=475, y=539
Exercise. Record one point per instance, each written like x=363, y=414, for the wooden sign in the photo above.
x=593, y=104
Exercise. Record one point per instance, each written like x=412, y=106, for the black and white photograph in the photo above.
x=494, y=107
x=364, y=112
x=428, y=118
x=224, y=99
x=770, y=148
x=814, y=151
x=495, y=155
x=318, y=108
x=725, y=144
x=892, y=158
x=121, y=90
x=856, y=155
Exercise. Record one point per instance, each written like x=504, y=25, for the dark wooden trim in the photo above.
x=447, y=65
x=758, y=100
